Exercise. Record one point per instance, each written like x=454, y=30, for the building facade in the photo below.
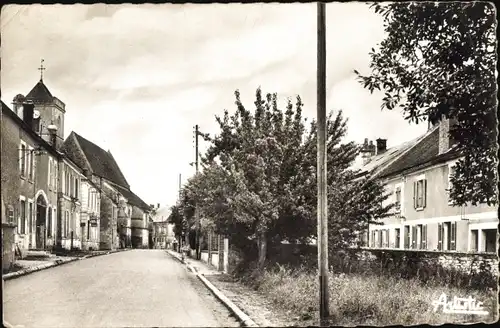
x=60, y=193
x=124, y=215
x=425, y=217
x=163, y=232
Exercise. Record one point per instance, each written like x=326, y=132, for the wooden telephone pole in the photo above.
x=196, y=214
x=322, y=169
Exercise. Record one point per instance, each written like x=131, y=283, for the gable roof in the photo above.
x=132, y=198
x=162, y=214
x=102, y=162
x=40, y=92
x=424, y=153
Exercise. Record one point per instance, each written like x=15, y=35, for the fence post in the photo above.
x=209, y=242
x=226, y=255
x=220, y=248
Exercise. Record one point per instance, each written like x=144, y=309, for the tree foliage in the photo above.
x=258, y=184
x=438, y=60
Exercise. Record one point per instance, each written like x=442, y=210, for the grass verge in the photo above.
x=367, y=300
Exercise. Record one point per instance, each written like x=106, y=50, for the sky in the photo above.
x=137, y=78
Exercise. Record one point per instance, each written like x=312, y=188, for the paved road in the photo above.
x=139, y=288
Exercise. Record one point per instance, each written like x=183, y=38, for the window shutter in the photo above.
x=413, y=237
x=424, y=236
x=415, y=194
x=380, y=238
x=387, y=238
x=440, y=236
x=424, y=197
x=453, y=239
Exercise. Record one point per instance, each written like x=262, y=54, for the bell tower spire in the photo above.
x=41, y=69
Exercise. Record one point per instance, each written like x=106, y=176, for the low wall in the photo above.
x=465, y=262
x=215, y=260
x=204, y=256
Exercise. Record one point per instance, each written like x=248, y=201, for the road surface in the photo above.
x=138, y=288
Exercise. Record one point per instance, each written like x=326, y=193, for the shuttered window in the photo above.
x=398, y=238
x=453, y=236
x=407, y=237
x=440, y=236
x=420, y=194
x=424, y=237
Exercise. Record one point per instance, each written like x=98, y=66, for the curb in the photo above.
x=29, y=270
x=244, y=319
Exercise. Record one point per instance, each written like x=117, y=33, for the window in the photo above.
x=407, y=237
x=54, y=217
x=474, y=243
x=30, y=158
x=55, y=170
x=447, y=234
x=385, y=238
x=372, y=241
x=50, y=173
x=420, y=237
x=49, y=223
x=10, y=214
x=66, y=224
x=398, y=199
x=380, y=239
x=22, y=159
x=397, y=238
x=419, y=194
x=22, y=214
x=76, y=188
x=490, y=240
x=30, y=217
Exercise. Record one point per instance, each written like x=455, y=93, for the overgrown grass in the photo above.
x=365, y=300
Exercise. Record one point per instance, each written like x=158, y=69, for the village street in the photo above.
x=138, y=288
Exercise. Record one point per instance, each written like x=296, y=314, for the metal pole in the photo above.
x=322, y=169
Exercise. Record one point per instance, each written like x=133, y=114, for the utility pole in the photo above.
x=322, y=169
x=196, y=214
x=180, y=186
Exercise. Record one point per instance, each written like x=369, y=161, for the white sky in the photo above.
x=137, y=78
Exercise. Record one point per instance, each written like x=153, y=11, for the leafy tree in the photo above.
x=438, y=60
x=259, y=178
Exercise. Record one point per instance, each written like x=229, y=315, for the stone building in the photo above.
x=63, y=193
x=29, y=196
x=120, y=207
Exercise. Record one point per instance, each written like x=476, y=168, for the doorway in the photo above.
x=41, y=212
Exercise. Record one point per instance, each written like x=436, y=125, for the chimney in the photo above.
x=367, y=151
x=158, y=205
x=445, y=141
x=28, y=110
x=381, y=145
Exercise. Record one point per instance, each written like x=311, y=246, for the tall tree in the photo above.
x=438, y=59
x=259, y=178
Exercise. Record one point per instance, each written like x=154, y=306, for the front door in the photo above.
x=41, y=210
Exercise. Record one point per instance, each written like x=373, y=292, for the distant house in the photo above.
x=425, y=218
x=163, y=232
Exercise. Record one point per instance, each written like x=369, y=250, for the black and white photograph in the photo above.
x=249, y=164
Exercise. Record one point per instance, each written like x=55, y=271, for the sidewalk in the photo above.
x=254, y=305
x=24, y=267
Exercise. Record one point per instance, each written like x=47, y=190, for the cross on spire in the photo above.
x=41, y=69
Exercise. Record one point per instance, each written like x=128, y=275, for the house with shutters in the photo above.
x=425, y=218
